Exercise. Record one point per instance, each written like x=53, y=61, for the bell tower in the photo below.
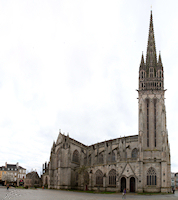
x=153, y=136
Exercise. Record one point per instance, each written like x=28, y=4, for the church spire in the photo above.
x=151, y=60
x=151, y=74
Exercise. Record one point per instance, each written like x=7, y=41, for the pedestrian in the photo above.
x=124, y=194
x=173, y=190
x=7, y=186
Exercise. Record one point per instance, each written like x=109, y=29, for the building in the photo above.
x=176, y=181
x=21, y=176
x=32, y=180
x=2, y=174
x=172, y=180
x=11, y=173
x=139, y=163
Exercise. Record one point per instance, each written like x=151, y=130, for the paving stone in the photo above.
x=45, y=194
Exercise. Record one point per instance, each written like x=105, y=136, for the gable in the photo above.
x=127, y=171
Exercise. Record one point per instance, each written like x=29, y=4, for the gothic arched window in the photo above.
x=134, y=153
x=142, y=74
x=112, y=177
x=100, y=158
x=75, y=156
x=85, y=160
x=142, y=85
x=59, y=158
x=159, y=74
x=99, y=177
x=147, y=119
x=151, y=176
x=155, y=122
x=111, y=157
x=89, y=159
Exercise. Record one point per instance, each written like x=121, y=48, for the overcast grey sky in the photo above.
x=73, y=65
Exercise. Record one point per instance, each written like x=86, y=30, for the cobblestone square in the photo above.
x=40, y=194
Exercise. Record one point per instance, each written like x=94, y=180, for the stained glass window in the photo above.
x=151, y=176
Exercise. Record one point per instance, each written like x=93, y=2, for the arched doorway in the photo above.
x=123, y=184
x=132, y=184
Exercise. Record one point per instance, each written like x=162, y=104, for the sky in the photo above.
x=73, y=65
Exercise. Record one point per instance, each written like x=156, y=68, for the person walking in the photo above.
x=173, y=190
x=7, y=186
x=124, y=194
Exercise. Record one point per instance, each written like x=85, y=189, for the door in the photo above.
x=132, y=184
x=123, y=184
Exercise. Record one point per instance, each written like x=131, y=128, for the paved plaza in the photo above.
x=40, y=194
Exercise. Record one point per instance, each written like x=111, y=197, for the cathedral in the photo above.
x=139, y=163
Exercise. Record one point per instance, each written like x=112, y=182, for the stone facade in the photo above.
x=139, y=163
x=12, y=174
x=32, y=180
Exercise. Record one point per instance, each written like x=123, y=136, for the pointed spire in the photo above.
x=142, y=63
x=151, y=47
x=151, y=74
x=142, y=60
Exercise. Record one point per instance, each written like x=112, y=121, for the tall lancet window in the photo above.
x=147, y=105
x=99, y=177
x=75, y=156
x=142, y=74
x=151, y=72
x=151, y=176
x=112, y=177
x=160, y=74
x=155, y=122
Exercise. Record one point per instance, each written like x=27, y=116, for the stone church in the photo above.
x=139, y=163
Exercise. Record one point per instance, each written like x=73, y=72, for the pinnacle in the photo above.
x=159, y=60
x=142, y=63
x=142, y=59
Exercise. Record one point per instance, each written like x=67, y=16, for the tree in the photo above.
x=84, y=175
x=7, y=178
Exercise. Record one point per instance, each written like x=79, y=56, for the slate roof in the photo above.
x=12, y=167
x=32, y=175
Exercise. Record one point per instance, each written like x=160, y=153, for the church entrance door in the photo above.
x=132, y=184
x=123, y=184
